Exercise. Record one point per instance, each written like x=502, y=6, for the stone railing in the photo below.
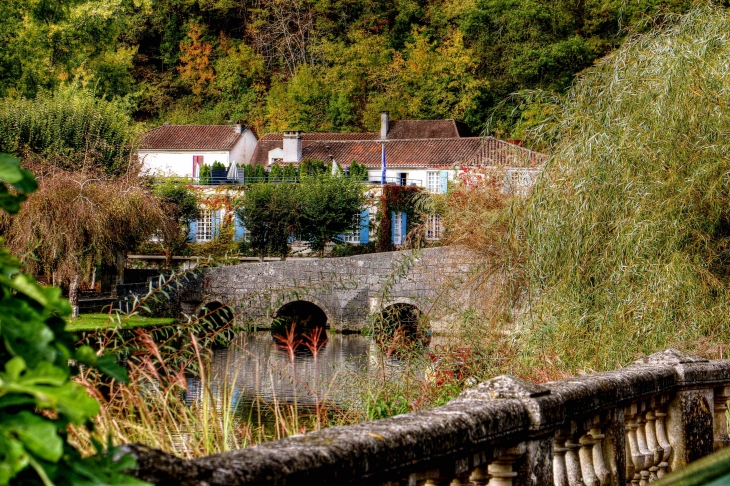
x=629, y=426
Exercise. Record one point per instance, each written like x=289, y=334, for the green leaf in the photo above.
x=10, y=172
x=38, y=435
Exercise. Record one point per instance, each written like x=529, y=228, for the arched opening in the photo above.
x=216, y=313
x=400, y=326
x=299, y=327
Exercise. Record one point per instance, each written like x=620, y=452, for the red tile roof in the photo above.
x=426, y=153
x=410, y=129
x=190, y=137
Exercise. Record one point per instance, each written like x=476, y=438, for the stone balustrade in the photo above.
x=625, y=427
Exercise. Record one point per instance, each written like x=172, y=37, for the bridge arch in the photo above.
x=310, y=311
x=401, y=317
x=215, y=311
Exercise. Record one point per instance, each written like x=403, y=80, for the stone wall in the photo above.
x=347, y=289
x=632, y=425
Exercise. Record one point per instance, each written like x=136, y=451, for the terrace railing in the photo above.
x=629, y=426
x=217, y=180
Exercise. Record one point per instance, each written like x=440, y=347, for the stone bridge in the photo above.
x=339, y=293
x=629, y=426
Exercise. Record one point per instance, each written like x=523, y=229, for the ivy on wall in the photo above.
x=395, y=198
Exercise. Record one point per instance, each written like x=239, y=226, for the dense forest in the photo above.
x=314, y=64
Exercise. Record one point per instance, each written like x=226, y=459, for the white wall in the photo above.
x=242, y=152
x=177, y=163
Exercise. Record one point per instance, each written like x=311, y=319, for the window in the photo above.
x=433, y=227
x=397, y=228
x=353, y=236
x=433, y=182
x=518, y=181
x=206, y=228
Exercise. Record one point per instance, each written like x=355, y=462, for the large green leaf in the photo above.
x=20, y=179
x=38, y=434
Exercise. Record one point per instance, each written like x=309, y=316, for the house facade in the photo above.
x=183, y=150
x=423, y=153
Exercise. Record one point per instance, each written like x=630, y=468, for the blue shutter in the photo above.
x=216, y=221
x=403, y=228
x=392, y=227
x=443, y=181
x=193, y=230
x=239, y=229
x=365, y=226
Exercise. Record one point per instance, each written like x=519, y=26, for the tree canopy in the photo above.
x=313, y=65
x=317, y=210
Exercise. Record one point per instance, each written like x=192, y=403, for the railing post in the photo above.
x=722, y=395
x=691, y=411
x=534, y=467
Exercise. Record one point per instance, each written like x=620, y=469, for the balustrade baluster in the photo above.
x=585, y=454
x=653, y=445
x=644, y=450
x=560, y=471
x=637, y=458
x=501, y=469
x=572, y=464
x=480, y=476
x=599, y=463
x=661, y=435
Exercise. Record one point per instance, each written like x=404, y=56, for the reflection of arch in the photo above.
x=216, y=313
x=302, y=312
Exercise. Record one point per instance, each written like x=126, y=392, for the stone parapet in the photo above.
x=628, y=426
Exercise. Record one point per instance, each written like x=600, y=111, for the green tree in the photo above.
x=180, y=208
x=47, y=44
x=38, y=397
x=290, y=172
x=358, y=172
x=329, y=205
x=269, y=213
x=275, y=173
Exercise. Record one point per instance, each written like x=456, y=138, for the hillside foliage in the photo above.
x=313, y=64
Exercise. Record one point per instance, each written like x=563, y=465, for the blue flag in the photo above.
x=383, y=164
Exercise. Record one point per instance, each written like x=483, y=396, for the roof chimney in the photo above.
x=384, y=125
x=166, y=124
x=238, y=127
x=292, y=146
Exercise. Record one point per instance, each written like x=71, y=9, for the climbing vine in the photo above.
x=395, y=198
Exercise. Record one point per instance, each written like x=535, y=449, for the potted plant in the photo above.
x=218, y=173
x=204, y=177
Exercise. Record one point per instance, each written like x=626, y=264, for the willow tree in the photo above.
x=628, y=228
x=76, y=221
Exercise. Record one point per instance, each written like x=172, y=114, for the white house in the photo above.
x=425, y=153
x=181, y=150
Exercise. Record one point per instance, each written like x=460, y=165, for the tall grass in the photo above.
x=628, y=228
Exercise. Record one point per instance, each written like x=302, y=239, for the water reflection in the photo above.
x=257, y=365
